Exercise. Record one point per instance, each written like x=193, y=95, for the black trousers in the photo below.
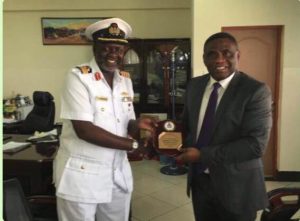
x=207, y=206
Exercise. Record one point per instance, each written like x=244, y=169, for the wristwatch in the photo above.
x=135, y=144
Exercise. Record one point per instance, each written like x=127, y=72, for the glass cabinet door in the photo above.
x=155, y=78
x=132, y=64
x=180, y=67
x=151, y=64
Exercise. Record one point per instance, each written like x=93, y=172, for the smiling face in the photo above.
x=221, y=58
x=108, y=56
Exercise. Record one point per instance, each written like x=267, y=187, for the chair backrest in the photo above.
x=15, y=205
x=279, y=208
x=41, y=118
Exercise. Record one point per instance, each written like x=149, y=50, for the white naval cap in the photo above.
x=109, y=30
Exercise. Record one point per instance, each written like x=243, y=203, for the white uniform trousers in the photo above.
x=116, y=210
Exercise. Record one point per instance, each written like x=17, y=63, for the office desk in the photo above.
x=32, y=166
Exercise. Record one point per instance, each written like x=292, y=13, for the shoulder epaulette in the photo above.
x=85, y=69
x=125, y=74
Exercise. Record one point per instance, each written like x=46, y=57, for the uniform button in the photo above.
x=118, y=120
x=82, y=167
x=102, y=109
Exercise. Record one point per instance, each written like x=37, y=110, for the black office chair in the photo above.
x=279, y=208
x=17, y=208
x=41, y=118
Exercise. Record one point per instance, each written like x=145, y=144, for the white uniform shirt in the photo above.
x=84, y=172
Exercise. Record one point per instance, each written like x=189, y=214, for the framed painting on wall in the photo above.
x=66, y=31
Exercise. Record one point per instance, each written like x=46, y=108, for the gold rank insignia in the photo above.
x=85, y=69
x=126, y=99
x=125, y=74
x=124, y=93
x=101, y=98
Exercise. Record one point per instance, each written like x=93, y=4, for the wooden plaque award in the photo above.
x=168, y=137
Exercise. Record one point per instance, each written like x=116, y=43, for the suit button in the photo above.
x=82, y=167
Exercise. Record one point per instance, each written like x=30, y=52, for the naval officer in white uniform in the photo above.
x=92, y=174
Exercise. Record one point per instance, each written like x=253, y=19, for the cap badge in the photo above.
x=114, y=29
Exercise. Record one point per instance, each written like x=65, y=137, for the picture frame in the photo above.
x=66, y=31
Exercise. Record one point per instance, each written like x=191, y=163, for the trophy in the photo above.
x=168, y=138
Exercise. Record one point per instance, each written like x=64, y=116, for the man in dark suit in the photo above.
x=226, y=171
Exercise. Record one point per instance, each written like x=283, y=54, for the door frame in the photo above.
x=275, y=104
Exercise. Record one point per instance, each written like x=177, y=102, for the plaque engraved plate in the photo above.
x=168, y=137
x=169, y=140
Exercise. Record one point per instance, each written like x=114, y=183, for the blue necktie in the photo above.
x=208, y=122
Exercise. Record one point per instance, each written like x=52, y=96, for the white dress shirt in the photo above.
x=209, y=88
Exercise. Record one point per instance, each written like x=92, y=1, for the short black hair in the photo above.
x=220, y=35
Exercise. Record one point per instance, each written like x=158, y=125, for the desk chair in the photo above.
x=17, y=208
x=279, y=208
x=41, y=118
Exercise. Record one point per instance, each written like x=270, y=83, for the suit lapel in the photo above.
x=226, y=99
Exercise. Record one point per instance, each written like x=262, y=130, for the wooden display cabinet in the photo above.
x=150, y=64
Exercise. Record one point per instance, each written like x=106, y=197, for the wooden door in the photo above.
x=260, y=58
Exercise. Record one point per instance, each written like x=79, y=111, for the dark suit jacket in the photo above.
x=240, y=136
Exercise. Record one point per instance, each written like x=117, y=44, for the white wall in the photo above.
x=210, y=16
x=29, y=65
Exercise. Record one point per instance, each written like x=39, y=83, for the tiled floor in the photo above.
x=159, y=197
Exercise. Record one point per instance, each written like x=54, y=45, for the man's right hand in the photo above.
x=189, y=155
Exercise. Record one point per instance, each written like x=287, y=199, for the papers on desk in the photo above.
x=13, y=146
x=44, y=137
x=10, y=120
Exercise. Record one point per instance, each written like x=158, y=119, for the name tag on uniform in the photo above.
x=100, y=98
x=126, y=99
